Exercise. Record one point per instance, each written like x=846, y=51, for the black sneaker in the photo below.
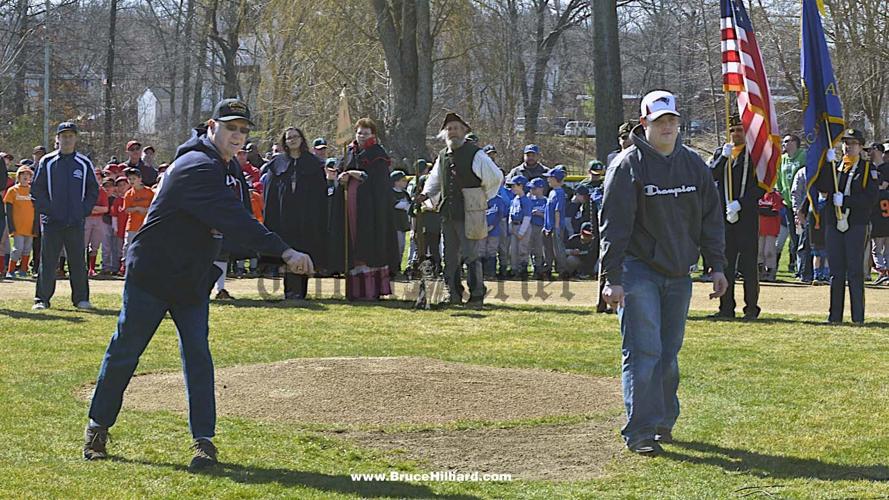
x=94, y=441
x=722, y=315
x=475, y=302
x=646, y=447
x=664, y=436
x=204, y=455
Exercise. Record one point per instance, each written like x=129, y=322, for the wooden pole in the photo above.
x=728, y=139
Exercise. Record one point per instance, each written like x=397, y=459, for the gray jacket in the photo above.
x=798, y=190
x=661, y=210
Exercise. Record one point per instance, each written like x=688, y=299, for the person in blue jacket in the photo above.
x=170, y=269
x=535, y=239
x=555, y=223
x=496, y=213
x=64, y=191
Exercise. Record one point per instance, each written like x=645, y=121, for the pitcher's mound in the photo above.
x=364, y=398
x=378, y=392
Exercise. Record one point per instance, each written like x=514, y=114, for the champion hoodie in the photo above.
x=662, y=210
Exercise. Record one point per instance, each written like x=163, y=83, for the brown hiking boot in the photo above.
x=204, y=455
x=94, y=441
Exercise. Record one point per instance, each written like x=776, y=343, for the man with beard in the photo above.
x=460, y=166
x=531, y=168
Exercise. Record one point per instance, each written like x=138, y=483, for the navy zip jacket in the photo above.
x=171, y=257
x=64, y=189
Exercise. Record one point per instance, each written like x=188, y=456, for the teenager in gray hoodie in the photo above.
x=660, y=211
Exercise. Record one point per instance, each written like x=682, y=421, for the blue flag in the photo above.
x=823, y=112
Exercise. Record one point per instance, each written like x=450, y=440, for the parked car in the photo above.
x=580, y=129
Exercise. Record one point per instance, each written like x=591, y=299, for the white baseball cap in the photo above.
x=658, y=103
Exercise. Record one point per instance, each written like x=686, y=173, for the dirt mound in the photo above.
x=365, y=400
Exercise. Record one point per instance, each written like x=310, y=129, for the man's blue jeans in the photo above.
x=652, y=324
x=140, y=315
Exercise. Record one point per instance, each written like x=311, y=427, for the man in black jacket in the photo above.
x=170, y=269
x=739, y=193
x=64, y=191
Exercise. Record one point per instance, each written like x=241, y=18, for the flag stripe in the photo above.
x=744, y=73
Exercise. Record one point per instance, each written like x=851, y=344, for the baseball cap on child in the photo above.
x=519, y=180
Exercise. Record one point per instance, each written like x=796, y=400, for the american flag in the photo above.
x=743, y=72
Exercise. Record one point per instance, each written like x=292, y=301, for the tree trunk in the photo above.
x=18, y=92
x=184, y=114
x=109, y=77
x=609, y=88
x=408, y=49
x=198, y=94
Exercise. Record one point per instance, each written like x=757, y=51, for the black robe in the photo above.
x=376, y=240
x=296, y=204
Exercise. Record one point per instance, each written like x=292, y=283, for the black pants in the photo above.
x=846, y=254
x=296, y=286
x=794, y=239
x=741, y=254
x=71, y=238
x=429, y=223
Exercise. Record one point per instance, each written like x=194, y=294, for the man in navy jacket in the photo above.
x=64, y=191
x=170, y=269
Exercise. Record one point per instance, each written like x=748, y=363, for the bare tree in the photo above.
x=574, y=13
x=109, y=76
x=609, y=86
x=406, y=37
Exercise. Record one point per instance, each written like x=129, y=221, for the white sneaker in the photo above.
x=39, y=306
x=84, y=304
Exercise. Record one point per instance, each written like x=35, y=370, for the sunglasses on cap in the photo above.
x=231, y=127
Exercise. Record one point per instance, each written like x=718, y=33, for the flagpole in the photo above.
x=833, y=169
x=728, y=139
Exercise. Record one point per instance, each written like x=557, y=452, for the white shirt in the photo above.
x=482, y=166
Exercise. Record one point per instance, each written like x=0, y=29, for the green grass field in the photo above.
x=785, y=407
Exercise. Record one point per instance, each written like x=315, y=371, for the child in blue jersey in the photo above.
x=519, y=227
x=555, y=222
x=494, y=215
x=538, y=209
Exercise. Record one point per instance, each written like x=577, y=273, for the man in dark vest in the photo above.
x=459, y=166
x=740, y=192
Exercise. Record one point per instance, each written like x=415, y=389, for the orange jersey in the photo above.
x=256, y=203
x=137, y=198
x=19, y=197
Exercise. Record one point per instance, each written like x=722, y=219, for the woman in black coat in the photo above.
x=363, y=203
x=296, y=205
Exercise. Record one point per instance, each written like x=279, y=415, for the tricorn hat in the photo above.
x=454, y=117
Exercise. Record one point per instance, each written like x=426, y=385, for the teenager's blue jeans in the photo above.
x=140, y=315
x=652, y=324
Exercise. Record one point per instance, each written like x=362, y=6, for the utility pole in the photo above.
x=46, y=143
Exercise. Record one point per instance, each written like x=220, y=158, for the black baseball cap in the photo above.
x=879, y=147
x=319, y=143
x=232, y=109
x=65, y=127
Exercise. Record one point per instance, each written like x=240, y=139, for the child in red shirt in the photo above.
x=769, y=226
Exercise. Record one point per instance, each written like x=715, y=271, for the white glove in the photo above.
x=734, y=206
x=727, y=150
x=831, y=155
x=838, y=199
x=731, y=217
x=298, y=262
